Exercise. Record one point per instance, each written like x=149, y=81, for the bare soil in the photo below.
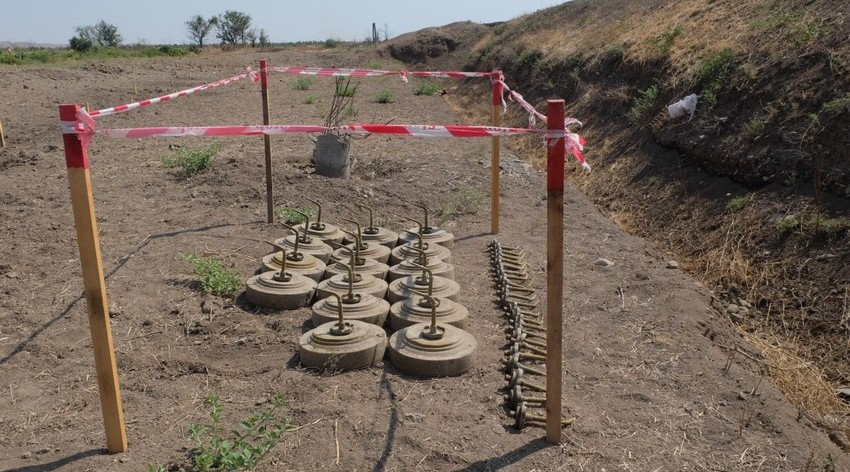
x=656, y=376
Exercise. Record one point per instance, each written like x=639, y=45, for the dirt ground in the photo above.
x=657, y=378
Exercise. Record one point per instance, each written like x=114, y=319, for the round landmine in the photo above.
x=363, y=266
x=383, y=236
x=324, y=231
x=418, y=310
x=432, y=351
x=307, y=264
x=407, y=267
x=359, y=306
x=366, y=250
x=430, y=234
x=362, y=283
x=342, y=345
x=410, y=250
x=308, y=245
x=440, y=287
x=279, y=289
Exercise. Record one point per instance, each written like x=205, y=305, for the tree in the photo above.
x=99, y=34
x=264, y=38
x=199, y=28
x=233, y=27
x=107, y=34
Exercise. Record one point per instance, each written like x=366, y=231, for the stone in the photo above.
x=672, y=265
x=745, y=303
x=414, y=417
x=603, y=262
x=840, y=439
x=844, y=393
x=732, y=308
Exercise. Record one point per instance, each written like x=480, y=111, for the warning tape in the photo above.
x=421, y=131
x=340, y=72
x=165, y=98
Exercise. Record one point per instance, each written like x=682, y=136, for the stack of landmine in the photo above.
x=357, y=290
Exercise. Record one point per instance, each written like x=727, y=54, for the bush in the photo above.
x=302, y=83
x=426, y=88
x=193, y=160
x=311, y=99
x=81, y=44
x=643, y=104
x=290, y=216
x=385, y=96
x=215, y=278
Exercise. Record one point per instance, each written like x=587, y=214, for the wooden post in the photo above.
x=2, y=136
x=267, y=142
x=494, y=161
x=82, y=202
x=554, y=268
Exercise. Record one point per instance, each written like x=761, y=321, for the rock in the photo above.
x=732, y=308
x=603, y=262
x=844, y=393
x=26, y=455
x=414, y=417
x=13, y=275
x=840, y=439
x=672, y=265
x=745, y=303
x=114, y=310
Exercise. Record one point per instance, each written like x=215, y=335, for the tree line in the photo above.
x=231, y=27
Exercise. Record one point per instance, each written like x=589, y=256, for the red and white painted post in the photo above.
x=555, y=154
x=82, y=202
x=496, y=77
x=267, y=142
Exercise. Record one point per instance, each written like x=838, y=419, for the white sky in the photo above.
x=162, y=22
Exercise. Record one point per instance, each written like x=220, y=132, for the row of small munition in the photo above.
x=525, y=334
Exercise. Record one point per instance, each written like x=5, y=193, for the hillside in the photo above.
x=751, y=194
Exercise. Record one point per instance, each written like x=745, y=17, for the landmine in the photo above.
x=355, y=306
x=342, y=345
x=362, y=283
x=430, y=234
x=309, y=245
x=324, y=231
x=411, y=267
x=280, y=289
x=296, y=261
x=362, y=265
x=432, y=349
x=377, y=234
x=419, y=310
x=366, y=250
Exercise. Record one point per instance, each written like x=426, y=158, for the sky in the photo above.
x=163, y=21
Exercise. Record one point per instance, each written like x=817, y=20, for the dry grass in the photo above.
x=802, y=382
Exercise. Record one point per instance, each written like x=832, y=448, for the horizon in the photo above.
x=56, y=22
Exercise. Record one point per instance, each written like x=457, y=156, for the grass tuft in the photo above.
x=215, y=278
x=385, y=96
x=302, y=83
x=193, y=160
x=290, y=216
x=426, y=88
x=643, y=104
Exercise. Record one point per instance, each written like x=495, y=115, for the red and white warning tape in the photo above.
x=172, y=96
x=339, y=72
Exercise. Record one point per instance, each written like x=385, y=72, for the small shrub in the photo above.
x=426, y=88
x=311, y=99
x=715, y=69
x=664, y=41
x=740, y=202
x=788, y=223
x=643, y=104
x=837, y=106
x=331, y=43
x=193, y=160
x=754, y=127
x=385, y=96
x=820, y=224
x=215, y=278
x=302, y=83
x=292, y=217
x=173, y=51
x=245, y=446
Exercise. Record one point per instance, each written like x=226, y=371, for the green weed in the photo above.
x=788, y=223
x=302, y=83
x=245, y=446
x=715, y=69
x=311, y=99
x=347, y=90
x=740, y=202
x=754, y=127
x=290, y=216
x=385, y=96
x=215, y=278
x=193, y=160
x=426, y=88
x=465, y=202
x=643, y=104
x=837, y=106
x=663, y=42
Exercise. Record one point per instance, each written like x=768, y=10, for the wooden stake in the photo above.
x=554, y=268
x=267, y=142
x=495, y=160
x=82, y=202
x=2, y=136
